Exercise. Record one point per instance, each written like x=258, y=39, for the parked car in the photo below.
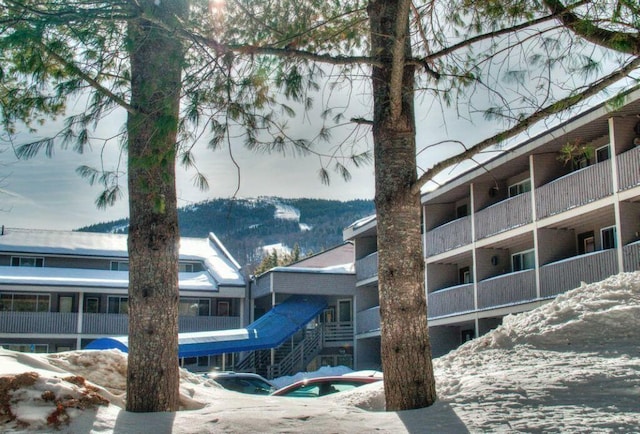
x=321, y=386
x=243, y=382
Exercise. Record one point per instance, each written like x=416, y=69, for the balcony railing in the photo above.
x=631, y=253
x=337, y=332
x=507, y=289
x=368, y=320
x=367, y=267
x=628, y=169
x=99, y=323
x=454, y=300
x=505, y=215
x=567, y=274
x=575, y=189
x=448, y=236
x=38, y=322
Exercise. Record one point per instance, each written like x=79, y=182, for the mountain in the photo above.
x=247, y=227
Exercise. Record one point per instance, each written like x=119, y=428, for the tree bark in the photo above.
x=156, y=64
x=405, y=348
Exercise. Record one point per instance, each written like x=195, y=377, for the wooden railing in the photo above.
x=368, y=320
x=106, y=324
x=38, y=322
x=367, y=267
x=567, y=274
x=507, y=289
x=453, y=300
x=573, y=190
x=508, y=214
x=629, y=168
x=448, y=236
x=631, y=254
x=337, y=332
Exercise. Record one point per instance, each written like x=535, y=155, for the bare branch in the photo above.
x=536, y=116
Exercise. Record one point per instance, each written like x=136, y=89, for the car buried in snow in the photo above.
x=243, y=382
x=322, y=386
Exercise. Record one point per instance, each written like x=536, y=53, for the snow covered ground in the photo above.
x=572, y=365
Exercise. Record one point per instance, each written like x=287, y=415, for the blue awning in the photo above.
x=268, y=331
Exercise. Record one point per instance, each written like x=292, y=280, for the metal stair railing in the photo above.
x=299, y=356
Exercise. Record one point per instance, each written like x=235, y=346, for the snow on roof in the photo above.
x=82, y=277
x=219, y=263
x=348, y=268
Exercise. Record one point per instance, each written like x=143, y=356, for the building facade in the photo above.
x=559, y=209
x=59, y=290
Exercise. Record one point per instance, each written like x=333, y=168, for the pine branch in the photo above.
x=523, y=125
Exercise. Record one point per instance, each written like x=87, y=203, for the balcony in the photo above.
x=628, y=169
x=567, y=274
x=631, y=253
x=507, y=289
x=39, y=322
x=505, y=215
x=99, y=323
x=367, y=267
x=450, y=301
x=337, y=332
x=450, y=235
x=575, y=189
x=368, y=320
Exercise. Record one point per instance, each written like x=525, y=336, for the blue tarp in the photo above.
x=268, y=331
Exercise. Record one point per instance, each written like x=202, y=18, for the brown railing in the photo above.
x=575, y=189
x=450, y=301
x=367, y=267
x=448, y=236
x=505, y=215
x=629, y=168
x=38, y=322
x=337, y=332
x=368, y=320
x=507, y=289
x=106, y=324
x=567, y=274
x=631, y=254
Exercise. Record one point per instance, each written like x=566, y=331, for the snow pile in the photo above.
x=572, y=365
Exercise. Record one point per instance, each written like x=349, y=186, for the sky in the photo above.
x=571, y=365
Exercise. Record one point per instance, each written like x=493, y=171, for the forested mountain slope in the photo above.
x=246, y=226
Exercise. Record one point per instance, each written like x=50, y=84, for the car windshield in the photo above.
x=315, y=390
x=250, y=385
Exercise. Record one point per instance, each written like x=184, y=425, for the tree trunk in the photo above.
x=405, y=348
x=153, y=378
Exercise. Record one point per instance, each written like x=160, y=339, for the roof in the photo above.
x=222, y=269
x=268, y=331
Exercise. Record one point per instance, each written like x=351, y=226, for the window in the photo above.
x=602, y=153
x=193, y=307
x=520, y=187
x=462, y=211
x=608, y=237
x=586, y=243
x=11, y=302
x=465, y=275
x=523, y=261
x=185, y=267
x=27, y=348
x=27, y=261
x=65, y=303
x=344, y=311
x=118, y=305
x=223, y=308
x=119, y=265
x=92, y=305
x=580, y=162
